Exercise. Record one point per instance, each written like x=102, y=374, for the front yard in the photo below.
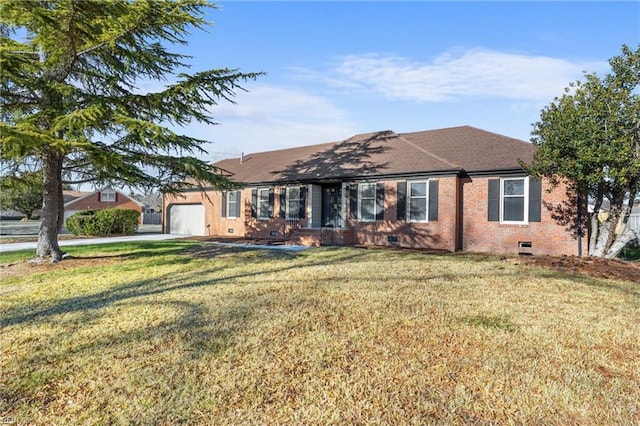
x=194, y=333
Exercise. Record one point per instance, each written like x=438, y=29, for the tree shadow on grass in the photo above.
x=162, y=284
x=195, y=332
x=196, y=328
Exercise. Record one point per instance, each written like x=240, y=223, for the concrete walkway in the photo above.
x=5, y=248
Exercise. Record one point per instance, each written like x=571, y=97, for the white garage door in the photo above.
x=186, y=219
x=69, y=213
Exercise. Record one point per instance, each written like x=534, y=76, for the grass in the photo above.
x=178, y=333
x=630, y=253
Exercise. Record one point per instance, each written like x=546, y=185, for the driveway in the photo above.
x=30, y=229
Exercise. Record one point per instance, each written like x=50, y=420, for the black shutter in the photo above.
x=283, y=202
x=401, y=206
x=271, y=198
x=433, y=199
x=535, y=199
x=493, y=208
x=380, y=201
x=353, y=201
x=238, y=204
x=303, y=200
x=254, y=203
x=224, y=205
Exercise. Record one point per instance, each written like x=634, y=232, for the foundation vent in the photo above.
x=524, y=248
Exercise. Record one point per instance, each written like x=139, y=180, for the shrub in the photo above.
x=104, y=222
x=79, y=223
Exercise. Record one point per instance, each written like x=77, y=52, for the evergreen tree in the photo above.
x=69, y=100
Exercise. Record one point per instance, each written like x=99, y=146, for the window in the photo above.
x=515, y=200
x=108, y=196
x=263, y=204
x=513, y=206
x=417, y=202
x=232, y=203
x=293, y=203
x=367, y=202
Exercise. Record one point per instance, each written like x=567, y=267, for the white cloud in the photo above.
x=479, y=73
x=268, y=118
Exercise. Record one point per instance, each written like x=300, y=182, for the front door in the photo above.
x=332, y=206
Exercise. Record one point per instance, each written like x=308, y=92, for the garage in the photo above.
x=186, y=219
x=69, y=213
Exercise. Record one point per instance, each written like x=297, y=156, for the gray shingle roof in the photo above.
x=456, y=149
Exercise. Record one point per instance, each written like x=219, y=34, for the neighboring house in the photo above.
x=68, y=195
x=106, y=198
x=152, y=208
x=451, y=189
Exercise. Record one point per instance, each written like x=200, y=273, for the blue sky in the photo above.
x=335, y=69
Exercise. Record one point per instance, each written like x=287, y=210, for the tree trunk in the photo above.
x=603, y=229
x=593, y=234
x=623, y=239
x=51, y=207
x=613, y=233
x=60, y=204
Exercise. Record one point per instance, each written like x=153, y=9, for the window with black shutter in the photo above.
x=380, y=201
x=401, y=195
x=353, y=201
x=493, y=207
x=535, y=200
x=254, y=203
x=433, y=199
x=514, y=200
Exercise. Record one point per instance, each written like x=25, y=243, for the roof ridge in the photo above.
x=421, y=149
x=353, y=138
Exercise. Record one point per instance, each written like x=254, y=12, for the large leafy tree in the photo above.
x=22, y=193
x=70, y=102
x=589, y=138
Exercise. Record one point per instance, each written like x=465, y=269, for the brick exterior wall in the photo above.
x=481, y=235
x=92, y=202
x=436, y=234
x=470, y=231
x=214, y=223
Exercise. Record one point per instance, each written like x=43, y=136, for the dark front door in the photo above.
x=332, y=206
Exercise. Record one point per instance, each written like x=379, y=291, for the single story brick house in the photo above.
x=105, y=198
x=459, y=188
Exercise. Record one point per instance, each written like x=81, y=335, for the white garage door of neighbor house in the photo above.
x=68, y=214
x=186, y=219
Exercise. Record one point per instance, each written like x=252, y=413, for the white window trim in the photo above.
x=426, y=201
x=525, y=215
x=108, y=193
x=258, y=201
x=231, y=213
x=375, y=202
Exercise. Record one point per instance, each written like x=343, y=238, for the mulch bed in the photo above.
x=595, y=267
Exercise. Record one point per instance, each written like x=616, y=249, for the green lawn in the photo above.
x=183, y=333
